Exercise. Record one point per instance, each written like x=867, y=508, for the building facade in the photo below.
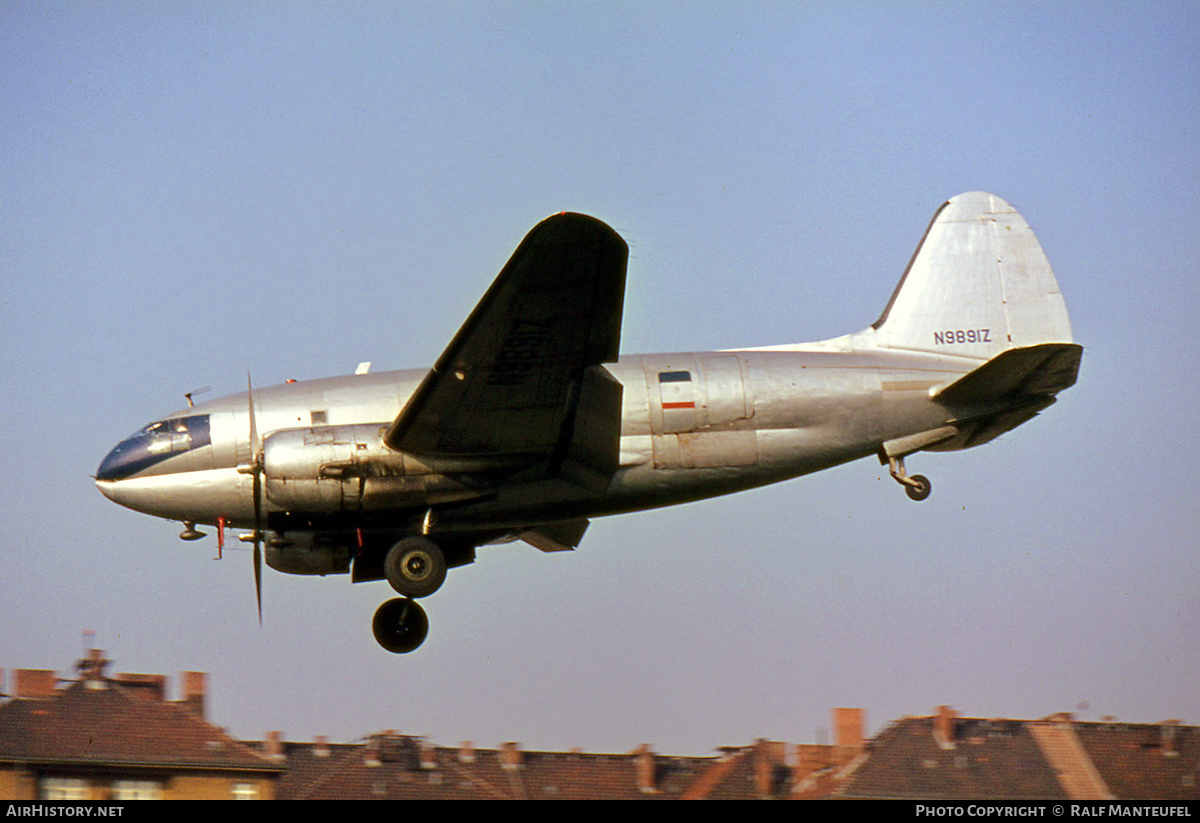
x=101, y=737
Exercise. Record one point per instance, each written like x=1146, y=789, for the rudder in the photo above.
x=977, y=285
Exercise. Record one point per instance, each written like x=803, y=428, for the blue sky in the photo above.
x=191, y=190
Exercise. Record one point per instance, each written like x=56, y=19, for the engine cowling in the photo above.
x=336, y=469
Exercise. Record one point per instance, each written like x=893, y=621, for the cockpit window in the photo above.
x=177, y=434
x=154, y=443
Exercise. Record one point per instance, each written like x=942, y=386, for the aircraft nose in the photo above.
x=147, y=495
x=110, y=466
x=108, y=488
x=114, y=490
x=111, y=476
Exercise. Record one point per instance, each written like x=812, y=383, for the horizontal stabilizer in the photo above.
x=1006, y=391
x=1032, y=371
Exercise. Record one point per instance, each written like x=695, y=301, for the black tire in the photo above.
x=415, y=567
x=400, y=625
x=920, y=491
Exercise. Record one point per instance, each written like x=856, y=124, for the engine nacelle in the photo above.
x=336, y=469
x=307, y=553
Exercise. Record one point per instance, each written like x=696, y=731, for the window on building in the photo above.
x=245, y=791
x=137, y=790
x=64, y=788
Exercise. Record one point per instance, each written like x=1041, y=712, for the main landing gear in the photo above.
x=400, y=625
x=415, y=567
x=916, y=487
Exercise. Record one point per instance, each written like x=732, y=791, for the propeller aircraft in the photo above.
x=530, y=423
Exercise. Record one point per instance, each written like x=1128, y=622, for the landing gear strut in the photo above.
x=400, y=625
x=916, y=487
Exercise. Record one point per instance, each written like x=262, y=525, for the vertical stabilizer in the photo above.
x=978, y=284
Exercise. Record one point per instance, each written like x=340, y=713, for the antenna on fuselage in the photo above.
x=188, y=395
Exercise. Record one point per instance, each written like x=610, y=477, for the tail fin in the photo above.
x=977, y=285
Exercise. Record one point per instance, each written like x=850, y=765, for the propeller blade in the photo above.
x=256, y=470
x=254, y=444
x=258, y=575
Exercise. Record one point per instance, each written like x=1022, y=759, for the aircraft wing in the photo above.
x=522, y=378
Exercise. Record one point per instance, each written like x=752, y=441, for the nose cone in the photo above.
x=159, y=495
x=114, y=478
x=108, y=488
x=127, y=493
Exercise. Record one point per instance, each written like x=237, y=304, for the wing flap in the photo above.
x=559, y=536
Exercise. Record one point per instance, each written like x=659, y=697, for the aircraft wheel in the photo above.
x=400, y=625
x=921, y=489
x=415, y=567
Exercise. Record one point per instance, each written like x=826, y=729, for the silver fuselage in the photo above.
x=742, y=419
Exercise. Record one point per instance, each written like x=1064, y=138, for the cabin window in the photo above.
x=674, y=377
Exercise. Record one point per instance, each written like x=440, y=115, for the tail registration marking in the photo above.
x=946, y=338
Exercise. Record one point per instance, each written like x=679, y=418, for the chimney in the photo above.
x=643, y=764
x=35, y=683
x=428, y=755
x=91, y=668
x=943, y=727
x=321, y=746
x=466, y=752
x=371, y=752
x=847, y=733
x=193, y=686
x=767, y=755
x=510, y=756
x=273, y=746
x=1168, y=730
